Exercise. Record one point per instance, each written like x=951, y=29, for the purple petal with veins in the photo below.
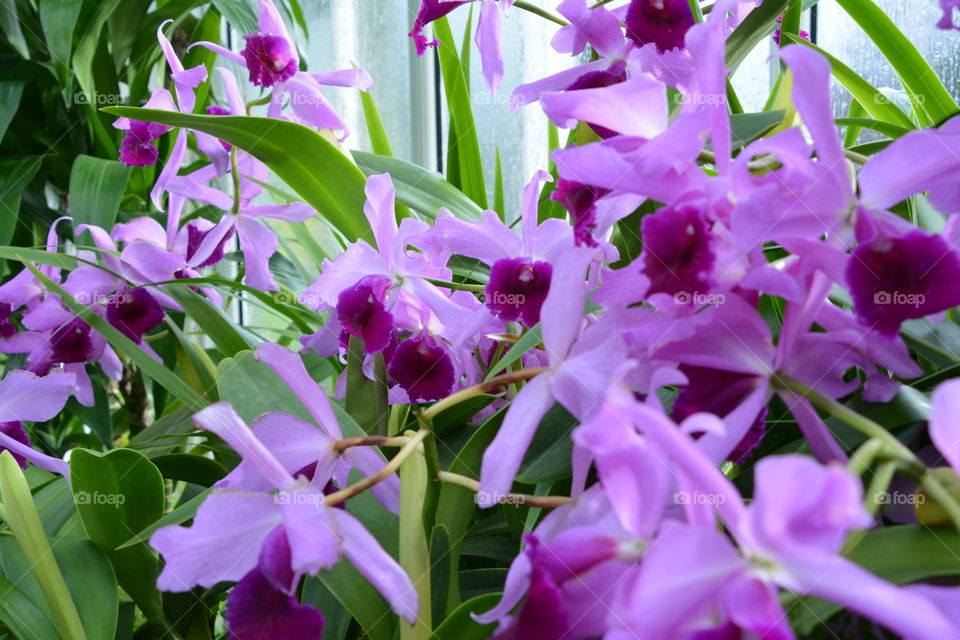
x=269, y=59
x=895, y=279
x=136, y=149
x=616, y=74
x=423, y=368
x=517, y=289
x=430, y=10
x=677, y=250
x=361, y=311
x=195, y=237
x=71, y=343
x=7, y=328
x=256, y=610
x=662, y=22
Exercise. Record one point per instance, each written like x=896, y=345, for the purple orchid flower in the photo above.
x=270, y=56
x=248, y=522
x=487, y=38
x=137, y=148
x=27, y=397
x=257, y=241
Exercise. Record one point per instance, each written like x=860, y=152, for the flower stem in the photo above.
x=864, y=456
x=370, y=441
x=526, y=6
x=457, y=286
x=549, y=502
x=414, y=550
x=359, y=487
x=479, y=389
x=236, y=180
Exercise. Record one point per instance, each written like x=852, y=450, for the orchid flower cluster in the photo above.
x=777, y=279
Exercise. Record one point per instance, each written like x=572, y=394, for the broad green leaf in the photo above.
x=92, y=583
x=440, y=572
x=900, y=554
x=460, y=414
x=239, y=13
x=10, y=93
x=21, y=616
x=96, y=187
x=414, y=547
x=459, y=103
x=927, y=92
x=747, y=127
x=307, y=162
x=852, y=132
x=145, y=361
x=119, y=494
x=58, y=18
x=872, y=99
x=179, y=515
x=548, y=457
x=253, y=389
x=418, y=188
x=190, y=468
x=460, y=625
x=15, y=175
x=10, y=24
x=165, y=434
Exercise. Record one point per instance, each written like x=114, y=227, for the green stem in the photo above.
x=359, y=487
x=414, y=550
x=931, y=485
x=859, y=158
x=864, y=456
x=259, y=102
x=236, y=180
x=526, y=6
x=879, y=485
x=457, y=286
x=24, y=521
x=484, y=387
x=549, y=502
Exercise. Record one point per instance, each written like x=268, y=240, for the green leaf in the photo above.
x=10, y=24
x=887, y=129
x=548, y=457
x=460, y=625
x=253, y=389
x=530, y=340
x=24, y=521
x=758, y=24
x=178, y=516
x=190, y=468
x=307, y=162
x=145, y=361
x=927, y=92
x=239, y=13
x=458, y=96
x=499, y=203
x=440, y=572
x=96, y=187
x=15, y=175
x=900, y=554
x=379, y=141
x=418, y=188
x=747, y=127
x=118, y=495
x=366, y=399
x=872, y=99
x=21, y=616
x=227, y=336
x=92, y=584
x=58, y=18
x=414, y=549
x=165, y=434
x=10, y=93
x=460, y=414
